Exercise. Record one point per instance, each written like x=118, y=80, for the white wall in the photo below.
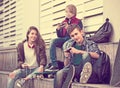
x=112, y=11
x=30, y=13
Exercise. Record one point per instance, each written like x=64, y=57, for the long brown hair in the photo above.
x=39, y=43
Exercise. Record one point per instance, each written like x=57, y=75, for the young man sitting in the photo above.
x=80, y=56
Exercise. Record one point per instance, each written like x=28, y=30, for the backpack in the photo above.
x=103, y=68
x=103, y=34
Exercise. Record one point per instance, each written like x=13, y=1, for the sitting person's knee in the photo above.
x=59, y=73
x=12, y=75
x=53, y=41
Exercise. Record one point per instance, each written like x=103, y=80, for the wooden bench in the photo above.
x=8, y=62
x=8, y=59
x=3, y=78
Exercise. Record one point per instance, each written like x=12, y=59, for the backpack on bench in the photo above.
x=103, y=34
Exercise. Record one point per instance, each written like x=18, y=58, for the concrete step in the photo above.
x=46, y=83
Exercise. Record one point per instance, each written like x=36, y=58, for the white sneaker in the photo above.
x=86, y=72
x=20, y=83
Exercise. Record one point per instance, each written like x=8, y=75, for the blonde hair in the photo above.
x=72, y=8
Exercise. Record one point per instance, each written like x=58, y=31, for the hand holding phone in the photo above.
x=61, y=25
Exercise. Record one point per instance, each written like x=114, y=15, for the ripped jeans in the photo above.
x=21, y=73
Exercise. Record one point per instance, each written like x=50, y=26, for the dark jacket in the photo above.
x=62, y=32
x=41, y=57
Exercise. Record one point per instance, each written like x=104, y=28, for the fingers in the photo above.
x=61, y=25
x=25, y=66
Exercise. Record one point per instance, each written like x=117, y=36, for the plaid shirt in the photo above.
x=88, y=45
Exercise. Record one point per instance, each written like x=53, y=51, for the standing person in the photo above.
x=62, y=34
x=31, y=58
x=80, y=56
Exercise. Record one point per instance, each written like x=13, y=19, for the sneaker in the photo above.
x=52, y=68
x=86, y=72
x=51, y=75
x=69, y=77
x=20, y=83
x=48, y=66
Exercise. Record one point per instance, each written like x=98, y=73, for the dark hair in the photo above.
x=39, y=41
x=72, y=27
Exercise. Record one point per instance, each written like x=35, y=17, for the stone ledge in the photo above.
x=46, y=83
x=78, y=85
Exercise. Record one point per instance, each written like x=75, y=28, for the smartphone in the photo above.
x=62, y=25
